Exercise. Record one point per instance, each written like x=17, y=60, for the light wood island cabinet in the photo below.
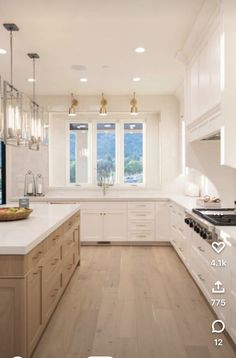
x=31, y=286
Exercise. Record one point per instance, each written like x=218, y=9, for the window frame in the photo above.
x=92, y=151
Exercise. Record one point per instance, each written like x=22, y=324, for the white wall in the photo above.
x=205, y=157
x=160, y=112
x=19, y=161
x=163, y=159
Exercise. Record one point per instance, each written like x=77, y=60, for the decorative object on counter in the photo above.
x=39, y=183
x=14, y=213
x=73, y=106
x=29, y=184
x=209, y=202
x=36, y=127
x=103, y=108
x=134, y=107
x=24, y=203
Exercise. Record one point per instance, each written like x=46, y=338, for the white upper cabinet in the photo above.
x=203, y=79
x=210, y=84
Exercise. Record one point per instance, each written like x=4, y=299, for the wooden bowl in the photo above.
x=6, y=215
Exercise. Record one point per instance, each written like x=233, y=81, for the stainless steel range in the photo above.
x=203, y=221
x=219, y=217
x=201, y=227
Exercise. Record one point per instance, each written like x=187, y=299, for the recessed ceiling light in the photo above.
x=2, y=51
x=83, y=79
x=31, y=80
x=140, y=50
x=136, y=79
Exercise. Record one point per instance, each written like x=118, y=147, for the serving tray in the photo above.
x=14, y=213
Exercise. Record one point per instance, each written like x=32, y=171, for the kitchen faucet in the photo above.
x=104, y=183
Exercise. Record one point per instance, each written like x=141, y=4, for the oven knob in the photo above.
x=197, y=229
x=204, y=235
x=191, y=223
x=187, y=221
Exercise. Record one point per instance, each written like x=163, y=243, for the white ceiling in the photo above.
x=100, y=35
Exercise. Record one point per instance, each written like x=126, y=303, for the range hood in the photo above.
x=216, y=136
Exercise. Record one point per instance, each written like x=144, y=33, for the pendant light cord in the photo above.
x=11, y=51
x=34, y=80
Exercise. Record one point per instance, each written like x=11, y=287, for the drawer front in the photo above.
x=141, y=205
x=52, y=263
x=68, y=267
x=76, y=218
x=68, y=242
x=54, y=239
x=141, y=236
x=68, y=225
x=141, y=215
x=36, y=255
x=104, y=206
x=51, y=293
x=141, y=225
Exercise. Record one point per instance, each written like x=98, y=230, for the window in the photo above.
x=112, y=150
x=133, y=153
x=106, y=151
x=78, y=153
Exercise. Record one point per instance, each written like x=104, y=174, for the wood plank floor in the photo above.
x=131, y=302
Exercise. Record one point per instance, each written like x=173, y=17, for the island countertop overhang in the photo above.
x=20, y=237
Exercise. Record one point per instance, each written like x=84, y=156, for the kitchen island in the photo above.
x=37, y=259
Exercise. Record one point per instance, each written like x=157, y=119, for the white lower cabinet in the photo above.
x=115, y=226
x=102, y=222
x=91, y=225
x=141, y=221
x=162, y=221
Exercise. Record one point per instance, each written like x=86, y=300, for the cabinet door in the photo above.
x=162, y=222
x=194, y=91
x=91, y=226
x=115, y=226
x=34, y=307
x=215, y=68
x=12, y=317
x=77, y=243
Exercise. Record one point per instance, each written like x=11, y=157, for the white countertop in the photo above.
x=19, y=237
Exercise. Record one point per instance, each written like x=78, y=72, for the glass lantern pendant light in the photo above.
x=103, y=108
x=12, y=102
x=133, y=103
x=72, y=108
x=36, y=115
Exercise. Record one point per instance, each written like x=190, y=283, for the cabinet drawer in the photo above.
x=68, y=225
x=54, y=238
x=104, y=206
x=141, y=205
x=141, y=236
x=76, y=218
x=36, y=255
x=141, y=215
x=141, y=225
x=51, y=293
x=68, y=266
x=52, y=262
x=68, y=242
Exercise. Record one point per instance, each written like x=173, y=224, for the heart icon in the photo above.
x=218, y=246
